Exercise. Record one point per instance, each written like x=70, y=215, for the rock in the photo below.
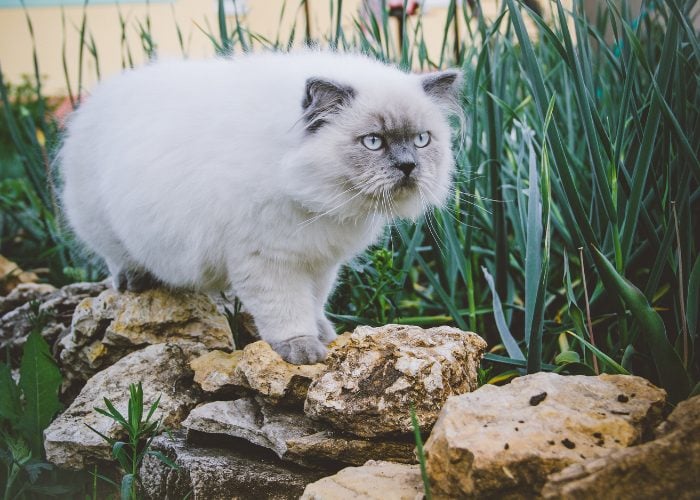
x=220, y=474
x=24, y=293
x=107, y=327
x=261, y=370
x=662, y=468
x=374, y=480
x=163, y=370
x=289, y=434
x=248, y=419
x=373, y=379
x=11, y=275
x=56, y=305
x=214, y=371
x=329, y=446
x=499, y=441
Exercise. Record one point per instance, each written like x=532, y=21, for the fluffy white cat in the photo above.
x=260, y=175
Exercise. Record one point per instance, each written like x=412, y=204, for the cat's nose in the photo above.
x=406, y=167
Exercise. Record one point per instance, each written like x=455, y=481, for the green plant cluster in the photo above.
x=26, y=409
x=140, y=432
x=570, y=240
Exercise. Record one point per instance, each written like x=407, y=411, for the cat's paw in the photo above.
x=302, y=350
x=326, y=331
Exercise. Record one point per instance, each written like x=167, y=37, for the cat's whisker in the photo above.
x=460, y=196
x=313, y=219
x=432, y=225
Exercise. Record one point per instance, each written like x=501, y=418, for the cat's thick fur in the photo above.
x=255, y=174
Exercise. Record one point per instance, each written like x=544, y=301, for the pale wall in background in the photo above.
x=192, y=16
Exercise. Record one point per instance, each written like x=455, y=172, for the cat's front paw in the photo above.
x=302, y=350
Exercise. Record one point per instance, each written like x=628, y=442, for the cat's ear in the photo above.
x=443, y=85
x=322, y=98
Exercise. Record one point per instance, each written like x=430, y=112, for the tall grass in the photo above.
x=577, y=190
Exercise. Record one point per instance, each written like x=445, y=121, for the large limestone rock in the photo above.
x=500, y=441
x=374, y=379
x=107, y=327
x=372, y=481
x=56, y=306
x=257, y=369
x=664, y=468
x=289, y=434
x=220, y=474
x=163, y=370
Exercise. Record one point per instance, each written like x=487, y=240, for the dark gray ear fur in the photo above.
x=323, y=97
x=444, y=85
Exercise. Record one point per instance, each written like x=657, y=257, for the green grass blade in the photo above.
x=506, y=337
x=693, y=299
x=616, y=367
x=420, y=453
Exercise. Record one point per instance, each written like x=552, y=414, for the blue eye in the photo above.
x=373, y=142
x=422, y=140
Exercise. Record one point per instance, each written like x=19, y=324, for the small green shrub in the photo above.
x=26, y=409
x=140, y=432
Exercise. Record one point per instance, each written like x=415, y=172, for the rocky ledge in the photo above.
x=246, y=424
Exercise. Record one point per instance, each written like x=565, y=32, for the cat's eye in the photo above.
x=422, y=140
x=373, y=142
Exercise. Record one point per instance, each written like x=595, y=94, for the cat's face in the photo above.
x=381, y=150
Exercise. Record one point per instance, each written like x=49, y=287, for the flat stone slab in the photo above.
x=333, y=446
x=220, y=474
x=248, y=419
x=290, y=434
x=379, y=374
x=372, y=481
x=499, y=441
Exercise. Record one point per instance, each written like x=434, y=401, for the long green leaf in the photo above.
x=40, y=381
x=506, y=337
x=668, y=363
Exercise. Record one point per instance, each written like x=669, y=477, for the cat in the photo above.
x=260, y=174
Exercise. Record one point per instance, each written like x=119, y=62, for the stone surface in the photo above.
x=500, y=441
x=329, y=446
x=262, y=370
x=373, y=379
x=289, y=434
x=57, y=305
x=374, y=480
x=248, y=419
x=11, y=275
x=107, y=327
x=663, y=468
x=23, y=293
x=220, y=474
x=162, y=369
x=214, y=371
